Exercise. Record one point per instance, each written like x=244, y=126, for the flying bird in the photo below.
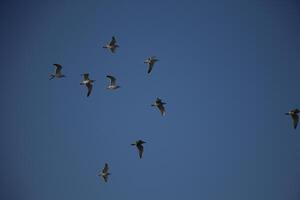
x=113, y=83
x=139, y=145
x=294, y=114
x=89, y=83
x=160, y=105
x=104, y=173
x=112, y=46
x=57, y=72
x=150, y=62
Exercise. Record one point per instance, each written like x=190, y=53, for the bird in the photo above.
x=104, y=173
x=113, y=85
x=57, y=74
x=89, y=83
x=150, y=61
x=139, y=145
x=294, y=114
x=112, y=46
x=160, y=105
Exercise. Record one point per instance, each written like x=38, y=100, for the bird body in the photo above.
x=150, y=62
x=57, y=73
x=140, y=147
x=294, y=114
x=88, y=83
x=113, y=83
x=112, y=46
x=160, y=105
x=104, y=173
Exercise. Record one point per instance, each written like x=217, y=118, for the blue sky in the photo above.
x=228, y=71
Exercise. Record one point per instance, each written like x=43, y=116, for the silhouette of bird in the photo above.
x=294, y=114
x=57, y=72
x=139, y=145
x=104, y=173
x=150, y=61
x=160, y=105
x=89, y=83
x=113, y=83
x=112, y=46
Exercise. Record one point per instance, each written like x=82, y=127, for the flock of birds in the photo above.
x=112, y=46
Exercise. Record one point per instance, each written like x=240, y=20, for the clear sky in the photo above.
x=228, y=70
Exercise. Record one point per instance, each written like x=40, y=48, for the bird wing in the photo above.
x=141, y=150
x=158, y=101
x=295, y=120
x=113, y=41
x=150, y=67
x=90, y=87
x=161, y=109
x=58, y=68
x=113, y=49
x=112, y=79
x=105, y=177
x=105, y=169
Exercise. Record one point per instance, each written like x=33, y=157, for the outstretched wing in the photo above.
x=150, y=67
x=105, y=178
x=161, y=109
x=295, y=120
x=58, y=68
x=112, y=79
x=113, y=49
x=113, y=41
x=141, y=150
x=90, y=87
x=105, y=169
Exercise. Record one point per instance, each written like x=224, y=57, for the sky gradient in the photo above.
x=228, y=71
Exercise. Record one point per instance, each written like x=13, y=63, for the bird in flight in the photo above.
x=150, y=62
x=113, y=83
x=139, y=145
x=89, y=83
x=294, y=114
x=112, y=46
x=160, y=105
x=57, y=72
x=104, y=173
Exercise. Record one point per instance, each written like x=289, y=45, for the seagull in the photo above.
x=104, y=173
x=113, y=85
x=89, y=83
x=150, y=61
x=294, y=115
x=58, y=73
x=160, y=105
x=139, y=145
x=112, y=45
